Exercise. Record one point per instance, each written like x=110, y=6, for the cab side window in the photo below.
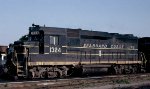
x=54, y=40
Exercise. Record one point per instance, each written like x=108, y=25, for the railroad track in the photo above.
x=67, y=82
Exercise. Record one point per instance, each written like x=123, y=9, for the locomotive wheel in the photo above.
x=43, y=74
x=111, y=70
x=131, y=71
x=64, y=71
x=54, y=74
x=59, y=74
x=31, y=75
x=51, y=74
x=15, y=78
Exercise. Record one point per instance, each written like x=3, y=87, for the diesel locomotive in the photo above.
x=49, y=52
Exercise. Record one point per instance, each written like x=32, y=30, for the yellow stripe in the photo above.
x=34, y=46
x=86, y=54
x=20, y=53
x=98, y=48
x=96, y=54
x=85, y=47
x=30, y=46
x=92, y=62
x=46, y=53
x=33, y=53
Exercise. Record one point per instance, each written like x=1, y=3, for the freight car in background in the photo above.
x=3, y=54
x=48, y=52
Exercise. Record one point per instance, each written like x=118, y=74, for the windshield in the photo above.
x=34, y=36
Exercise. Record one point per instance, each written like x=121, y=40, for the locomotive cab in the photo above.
x=36, y=37
x=18, y=53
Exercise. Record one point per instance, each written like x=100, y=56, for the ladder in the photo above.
x=144, y=61
x=22, y=66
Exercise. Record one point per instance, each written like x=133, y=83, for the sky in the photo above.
x=114, y=16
